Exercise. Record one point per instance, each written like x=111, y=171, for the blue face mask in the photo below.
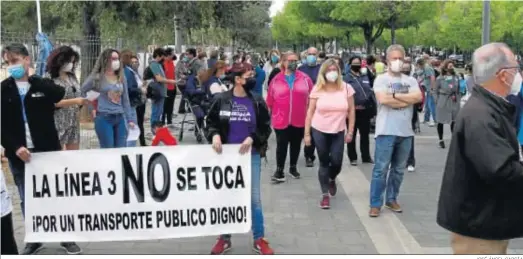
x=185, y=59
x=275, y=59
x=16, y=71
x=311, y=60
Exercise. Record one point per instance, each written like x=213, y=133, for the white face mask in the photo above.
x=115, y=65
x=396, y=65
x=363, y=71
x=331, y=76
x=67, y=67
x=516, y=84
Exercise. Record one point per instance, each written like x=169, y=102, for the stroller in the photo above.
x=197, y=104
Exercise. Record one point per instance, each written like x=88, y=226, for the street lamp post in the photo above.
x=485, y=36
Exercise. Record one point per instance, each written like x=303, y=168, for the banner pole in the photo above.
x=38, y=16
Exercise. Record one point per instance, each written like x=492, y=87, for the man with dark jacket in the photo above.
x=27, y=122
x=312, y=68
x=482, y=187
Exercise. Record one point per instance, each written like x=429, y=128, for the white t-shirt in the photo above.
x=217, y=88
x=394, y=121
x=5, y=199
x=23, y=88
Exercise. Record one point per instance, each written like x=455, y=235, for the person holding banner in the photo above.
x=114, y=108
x=8, y=245
x=247, y=123
x=27, y=121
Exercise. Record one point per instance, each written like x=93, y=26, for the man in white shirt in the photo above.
x=396, y=95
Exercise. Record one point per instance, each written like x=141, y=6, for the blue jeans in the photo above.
x=430, y=107
x=390, y=151
x=111, y=130
x=18, y=172
x=157, y=110
x=330, y=153
x=256, y=205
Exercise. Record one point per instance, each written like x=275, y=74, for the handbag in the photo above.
x=370, y=100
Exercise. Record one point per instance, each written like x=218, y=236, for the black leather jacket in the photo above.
x=217, y=121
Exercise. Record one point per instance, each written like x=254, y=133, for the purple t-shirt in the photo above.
x=242, y=121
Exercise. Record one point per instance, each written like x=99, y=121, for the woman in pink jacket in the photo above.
x=287, y=99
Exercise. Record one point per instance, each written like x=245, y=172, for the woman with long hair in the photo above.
x=272, y=64
x=287, y=99
x=213, y=78
x=61, y=65
x=114, y=109
x=250, y=126
x=140, y=109
x=134, y=84
x=331, y=104
x=447, y=98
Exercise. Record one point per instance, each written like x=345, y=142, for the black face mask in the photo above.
x=355, y=68
x=250, y=83
x=407, y=73
x=451, y=71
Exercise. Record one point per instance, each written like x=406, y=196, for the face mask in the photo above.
x=355, y=68
x=292, y=65
x=115, y=65
x=227, y=62
x=16, y=71
x=451, y=70
x=67, y=67
x=250, y=83
x=516, y=84
x=331, y=76
x=304, y=61
x=407, y=73
x=185, y=59
x=363, y=71
x=222, y=76
x=395, y=66
x=311, y=60
x=275, y=59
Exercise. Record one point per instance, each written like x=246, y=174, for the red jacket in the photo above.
x=169, y=69
x=164, y=136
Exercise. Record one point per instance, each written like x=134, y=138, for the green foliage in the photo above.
x=144, y=22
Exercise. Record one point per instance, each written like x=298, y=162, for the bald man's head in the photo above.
x=312, y=51
x=495, y=67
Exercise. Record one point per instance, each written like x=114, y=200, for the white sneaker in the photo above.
x=411, y=168
x=431, y=124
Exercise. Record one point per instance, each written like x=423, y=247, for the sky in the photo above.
x=277, y=5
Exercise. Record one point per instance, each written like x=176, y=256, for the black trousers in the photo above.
x=168, y=107
x=285, y=138
x=140, y=114
x=362, y=124
x=181, y=108
x=8, y=242
x=412, y=159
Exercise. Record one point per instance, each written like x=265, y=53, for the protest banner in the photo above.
x=137, y=194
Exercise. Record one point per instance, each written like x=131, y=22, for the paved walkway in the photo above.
x=294, y=223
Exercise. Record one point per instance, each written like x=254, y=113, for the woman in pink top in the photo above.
x=331, y=103
x=287, y=99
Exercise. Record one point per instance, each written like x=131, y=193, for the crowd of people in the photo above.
x=322, y=101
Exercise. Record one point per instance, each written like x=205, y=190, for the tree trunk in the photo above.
x=393, y=32
x=294, y=47
x=322, y=40
x=90, y=46
x=367, y=34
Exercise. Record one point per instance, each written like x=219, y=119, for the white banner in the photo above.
x=137, y=194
